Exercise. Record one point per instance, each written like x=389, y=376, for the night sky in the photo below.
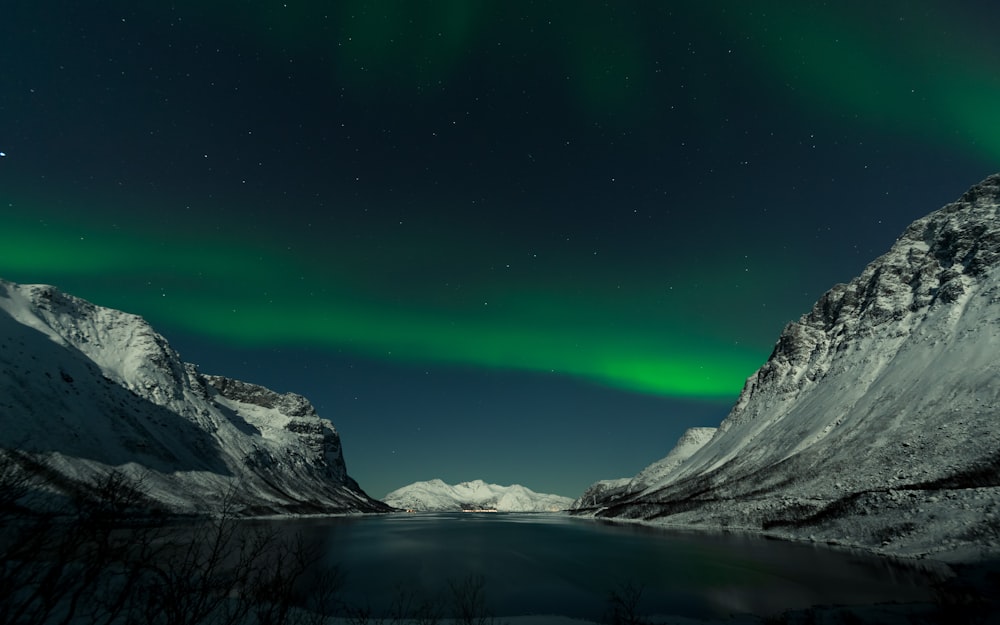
x=524, y=242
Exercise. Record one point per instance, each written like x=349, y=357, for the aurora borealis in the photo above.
x=521, y=242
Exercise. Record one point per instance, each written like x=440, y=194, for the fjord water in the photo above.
x=557, y=564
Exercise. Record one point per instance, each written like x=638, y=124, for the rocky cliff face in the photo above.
x=319, y=444
x=887, y=391
x=86, y=388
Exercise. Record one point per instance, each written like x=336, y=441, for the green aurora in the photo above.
x=653, y=333
x=891, y=72
x=235, y=292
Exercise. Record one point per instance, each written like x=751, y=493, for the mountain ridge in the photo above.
x=437, y=496
x=86, y=389
x=871, y=402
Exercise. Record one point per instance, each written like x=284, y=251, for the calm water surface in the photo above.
x=556, y=564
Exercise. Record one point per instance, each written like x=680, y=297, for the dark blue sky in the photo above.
x=520, y=242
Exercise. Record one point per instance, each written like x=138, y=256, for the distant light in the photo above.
x=2, y=154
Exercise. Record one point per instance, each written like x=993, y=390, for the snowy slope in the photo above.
x=600, y=492
x=87, y=388
x=435, y=495
x=691, y=441
x=876, y=420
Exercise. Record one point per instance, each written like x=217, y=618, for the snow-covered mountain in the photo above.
x=876, y=419
x=436, y=496
x=87, y=388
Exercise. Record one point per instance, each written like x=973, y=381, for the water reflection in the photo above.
x=555, y=564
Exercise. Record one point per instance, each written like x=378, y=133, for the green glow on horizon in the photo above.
x=233, y=292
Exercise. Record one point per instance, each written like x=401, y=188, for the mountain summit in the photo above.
x=874, y=422
x=437, y=496
x=84, y=389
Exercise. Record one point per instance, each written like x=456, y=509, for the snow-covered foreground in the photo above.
x=437, y=496
x=84, y=389
x=876, y=420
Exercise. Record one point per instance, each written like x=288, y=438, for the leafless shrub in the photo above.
x=413, y=609
x=468, y=600
x=60, y=565
x=623, y=605
x=15, y=483
x=407, y=608
x=108, y=558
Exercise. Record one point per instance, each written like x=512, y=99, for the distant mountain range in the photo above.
x=436, y=496
x=84, y=389
x=876, y=419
